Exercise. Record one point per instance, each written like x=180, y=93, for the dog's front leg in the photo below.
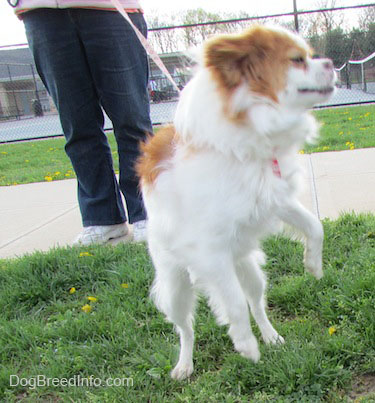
x=293, y=213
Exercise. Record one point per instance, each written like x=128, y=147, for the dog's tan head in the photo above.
x=273, y=63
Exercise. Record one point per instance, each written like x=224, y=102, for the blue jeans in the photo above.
x=90, y=59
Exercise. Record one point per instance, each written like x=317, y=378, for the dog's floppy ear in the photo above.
x=223, y=54
x=248, y=57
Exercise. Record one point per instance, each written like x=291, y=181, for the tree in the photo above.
x=329, y=20
x=196, y=35
x=320, y=23
x=357, y=40
x=318, y=44
x=164, y=41
x=368, y=45
x=172, y=40
x=337, y=46
x=366, y=18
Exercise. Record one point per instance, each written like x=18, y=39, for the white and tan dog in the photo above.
x=225, y=176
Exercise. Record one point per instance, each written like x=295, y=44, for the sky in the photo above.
x=12, y=30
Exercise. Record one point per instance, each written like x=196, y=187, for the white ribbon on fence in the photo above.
x=366, y=59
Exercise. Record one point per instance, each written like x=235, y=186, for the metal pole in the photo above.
x=349, y=77
x=35, y=84
x=14, y=94
x=38, y=109
x=296, y=25
x=364, y=85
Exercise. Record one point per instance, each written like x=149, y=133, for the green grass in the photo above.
x=345, y=129
x=38, y=161
x=43, y=330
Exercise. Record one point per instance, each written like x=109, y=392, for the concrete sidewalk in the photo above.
x=40, y=216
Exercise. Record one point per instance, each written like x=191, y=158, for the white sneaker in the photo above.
x=100, y=234
x=140, y=231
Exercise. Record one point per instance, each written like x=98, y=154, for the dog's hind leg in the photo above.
x=173, y=294
x=217, y=278
x=253, y=282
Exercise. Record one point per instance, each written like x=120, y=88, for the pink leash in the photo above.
x=149, y=49
x=155, y=57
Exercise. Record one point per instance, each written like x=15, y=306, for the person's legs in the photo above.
x=119, y=67
x=63, y=66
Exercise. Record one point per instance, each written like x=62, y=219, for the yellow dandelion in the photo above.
x=86, y=308
x=82, y=254
x=332, y=330
x=4, y=152
x=72, y=290
x=92, y=299
x=301, y=152
x=48, y=178
x=350, y=118
x=341, y=133
x=57, y=173
x=350, y=144
x=125, y=285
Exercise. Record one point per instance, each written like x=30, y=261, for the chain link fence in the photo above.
x=28, y=112
x=358, y=75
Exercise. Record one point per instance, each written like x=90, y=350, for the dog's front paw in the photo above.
x=182, y=371
x=313, y=264
x=248, y=349
x=273, y=338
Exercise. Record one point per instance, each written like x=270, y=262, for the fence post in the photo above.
x=296, y=25
x=364, y=84
x=35, y=84
x=14, y=95
x=36, y=92
x=349, y=85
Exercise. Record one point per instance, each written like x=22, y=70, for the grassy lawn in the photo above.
x=328, y=325
x=39, y=161
x=345, y=129
x=45, y=160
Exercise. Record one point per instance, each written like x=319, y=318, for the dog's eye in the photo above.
x=298, y=60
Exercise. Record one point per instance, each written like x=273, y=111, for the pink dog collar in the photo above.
x=276, y=167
